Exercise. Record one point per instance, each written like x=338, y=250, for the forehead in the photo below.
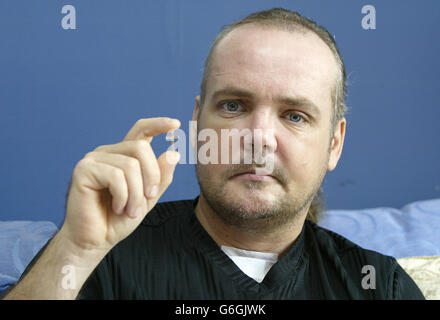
x=271, y=62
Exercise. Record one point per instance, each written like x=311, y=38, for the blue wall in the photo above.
x=65, y=92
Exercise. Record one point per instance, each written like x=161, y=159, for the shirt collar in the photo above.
x=284, y=270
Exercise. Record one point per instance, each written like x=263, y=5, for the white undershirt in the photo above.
x=253, y=263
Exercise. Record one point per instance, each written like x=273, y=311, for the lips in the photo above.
x=253, y=175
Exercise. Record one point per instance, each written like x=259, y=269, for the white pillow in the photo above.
x=425, y=271
x=408, y=232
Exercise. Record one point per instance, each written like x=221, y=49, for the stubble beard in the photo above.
x=250, y=212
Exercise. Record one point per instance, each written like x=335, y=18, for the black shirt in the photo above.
x=171, y=256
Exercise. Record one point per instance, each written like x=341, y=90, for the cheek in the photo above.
x=304, y=158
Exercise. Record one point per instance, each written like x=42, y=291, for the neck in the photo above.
x=277, y=241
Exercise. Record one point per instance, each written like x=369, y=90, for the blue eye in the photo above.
x=231, y=106
x=295, y=117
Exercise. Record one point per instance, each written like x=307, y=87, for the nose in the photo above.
x=262, y=125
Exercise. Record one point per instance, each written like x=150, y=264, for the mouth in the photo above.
x=254, y=175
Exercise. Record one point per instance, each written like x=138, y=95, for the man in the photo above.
x=249, y=235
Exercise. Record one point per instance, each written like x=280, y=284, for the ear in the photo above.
x=337, y=144
x=196, y=108
x=193, y=128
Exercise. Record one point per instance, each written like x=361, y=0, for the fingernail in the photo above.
x=153, y=191
x=173, y=157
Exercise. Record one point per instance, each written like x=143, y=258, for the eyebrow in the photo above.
x=291, y=101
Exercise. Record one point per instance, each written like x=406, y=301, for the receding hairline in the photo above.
x=270, y=26
x=288, y=28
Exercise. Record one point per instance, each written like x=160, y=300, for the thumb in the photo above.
x=167, y=164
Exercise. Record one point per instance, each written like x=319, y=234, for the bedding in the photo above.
x=407, y=232
x=20, y=241
x=425, y=271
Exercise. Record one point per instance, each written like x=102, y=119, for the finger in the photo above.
x=133, y=175
x=167, y=163
x=142, y=151
x=98, y=176
x=148, y=128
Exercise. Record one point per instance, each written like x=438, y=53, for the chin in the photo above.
x=251, y=195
